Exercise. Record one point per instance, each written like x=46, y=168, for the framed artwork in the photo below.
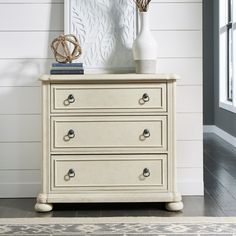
x=106, y=30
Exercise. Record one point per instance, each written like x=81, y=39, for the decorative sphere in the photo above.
x=66, y=48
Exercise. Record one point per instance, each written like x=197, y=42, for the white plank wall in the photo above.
x=177, y=27
x=26, y=30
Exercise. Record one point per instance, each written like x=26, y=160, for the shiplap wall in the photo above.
x=26, y=29
x=177, y=26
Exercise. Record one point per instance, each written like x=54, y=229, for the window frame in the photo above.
x=227, y=55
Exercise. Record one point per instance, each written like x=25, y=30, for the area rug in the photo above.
x=126, y=226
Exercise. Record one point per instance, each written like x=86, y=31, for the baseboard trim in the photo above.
x=221, y=133
x=209, y=128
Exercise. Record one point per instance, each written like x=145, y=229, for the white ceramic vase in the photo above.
x=145, y=48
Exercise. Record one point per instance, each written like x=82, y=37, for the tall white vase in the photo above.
x=145, y=48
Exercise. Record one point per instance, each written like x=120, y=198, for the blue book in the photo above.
x=67, y=72
x=67, y=68
x=65, y=65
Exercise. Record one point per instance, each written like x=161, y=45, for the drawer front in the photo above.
x=76, y=173
x=71, y=134
x=109, y=98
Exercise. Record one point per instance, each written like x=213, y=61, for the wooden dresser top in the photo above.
x=110, y=78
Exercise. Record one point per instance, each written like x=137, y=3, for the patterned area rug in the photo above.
x=126, y=226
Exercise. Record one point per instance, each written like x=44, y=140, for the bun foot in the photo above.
x=43, y=207
x=174, y=206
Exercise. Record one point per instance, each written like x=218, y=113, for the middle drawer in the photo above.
x=136, y=132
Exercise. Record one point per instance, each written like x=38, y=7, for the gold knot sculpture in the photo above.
x=66, y=48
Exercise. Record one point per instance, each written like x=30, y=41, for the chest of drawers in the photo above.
x=108, y=138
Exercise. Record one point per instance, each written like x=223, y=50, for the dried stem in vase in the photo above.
x=142, y=5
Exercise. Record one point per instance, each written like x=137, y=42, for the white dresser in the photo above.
x=108, y=138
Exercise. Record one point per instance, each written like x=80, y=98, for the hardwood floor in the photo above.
x=220, y=174
x=219, y=198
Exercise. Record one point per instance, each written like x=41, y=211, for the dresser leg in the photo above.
x=174, y=206
x=41, y=204
x=43, y=207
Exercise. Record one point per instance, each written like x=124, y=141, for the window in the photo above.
x=227, y=54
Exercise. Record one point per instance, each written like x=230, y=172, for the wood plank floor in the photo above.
x=219, y=199
x=220, y=173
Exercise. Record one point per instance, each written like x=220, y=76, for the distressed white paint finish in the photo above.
x=117, y=133
x=106, y=30
x=122, y=172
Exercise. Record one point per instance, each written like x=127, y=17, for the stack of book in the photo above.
x=67, y=69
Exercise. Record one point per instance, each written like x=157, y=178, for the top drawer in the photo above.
x=108, y=98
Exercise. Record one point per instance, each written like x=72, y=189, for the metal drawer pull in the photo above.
x=71, y=98
x=71, y=173
x=146, y=172
x=71, y=134
x=145, y=97
x=146, y=133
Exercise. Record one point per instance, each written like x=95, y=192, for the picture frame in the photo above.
x=106, y=30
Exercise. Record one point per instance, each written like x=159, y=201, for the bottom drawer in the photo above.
x=108, y=172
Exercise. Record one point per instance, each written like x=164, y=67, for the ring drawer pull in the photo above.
x=71, y=98
x=71, y=134
x=71, y=173
x=146, y=172
x=146, y=133
x=146, y=97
